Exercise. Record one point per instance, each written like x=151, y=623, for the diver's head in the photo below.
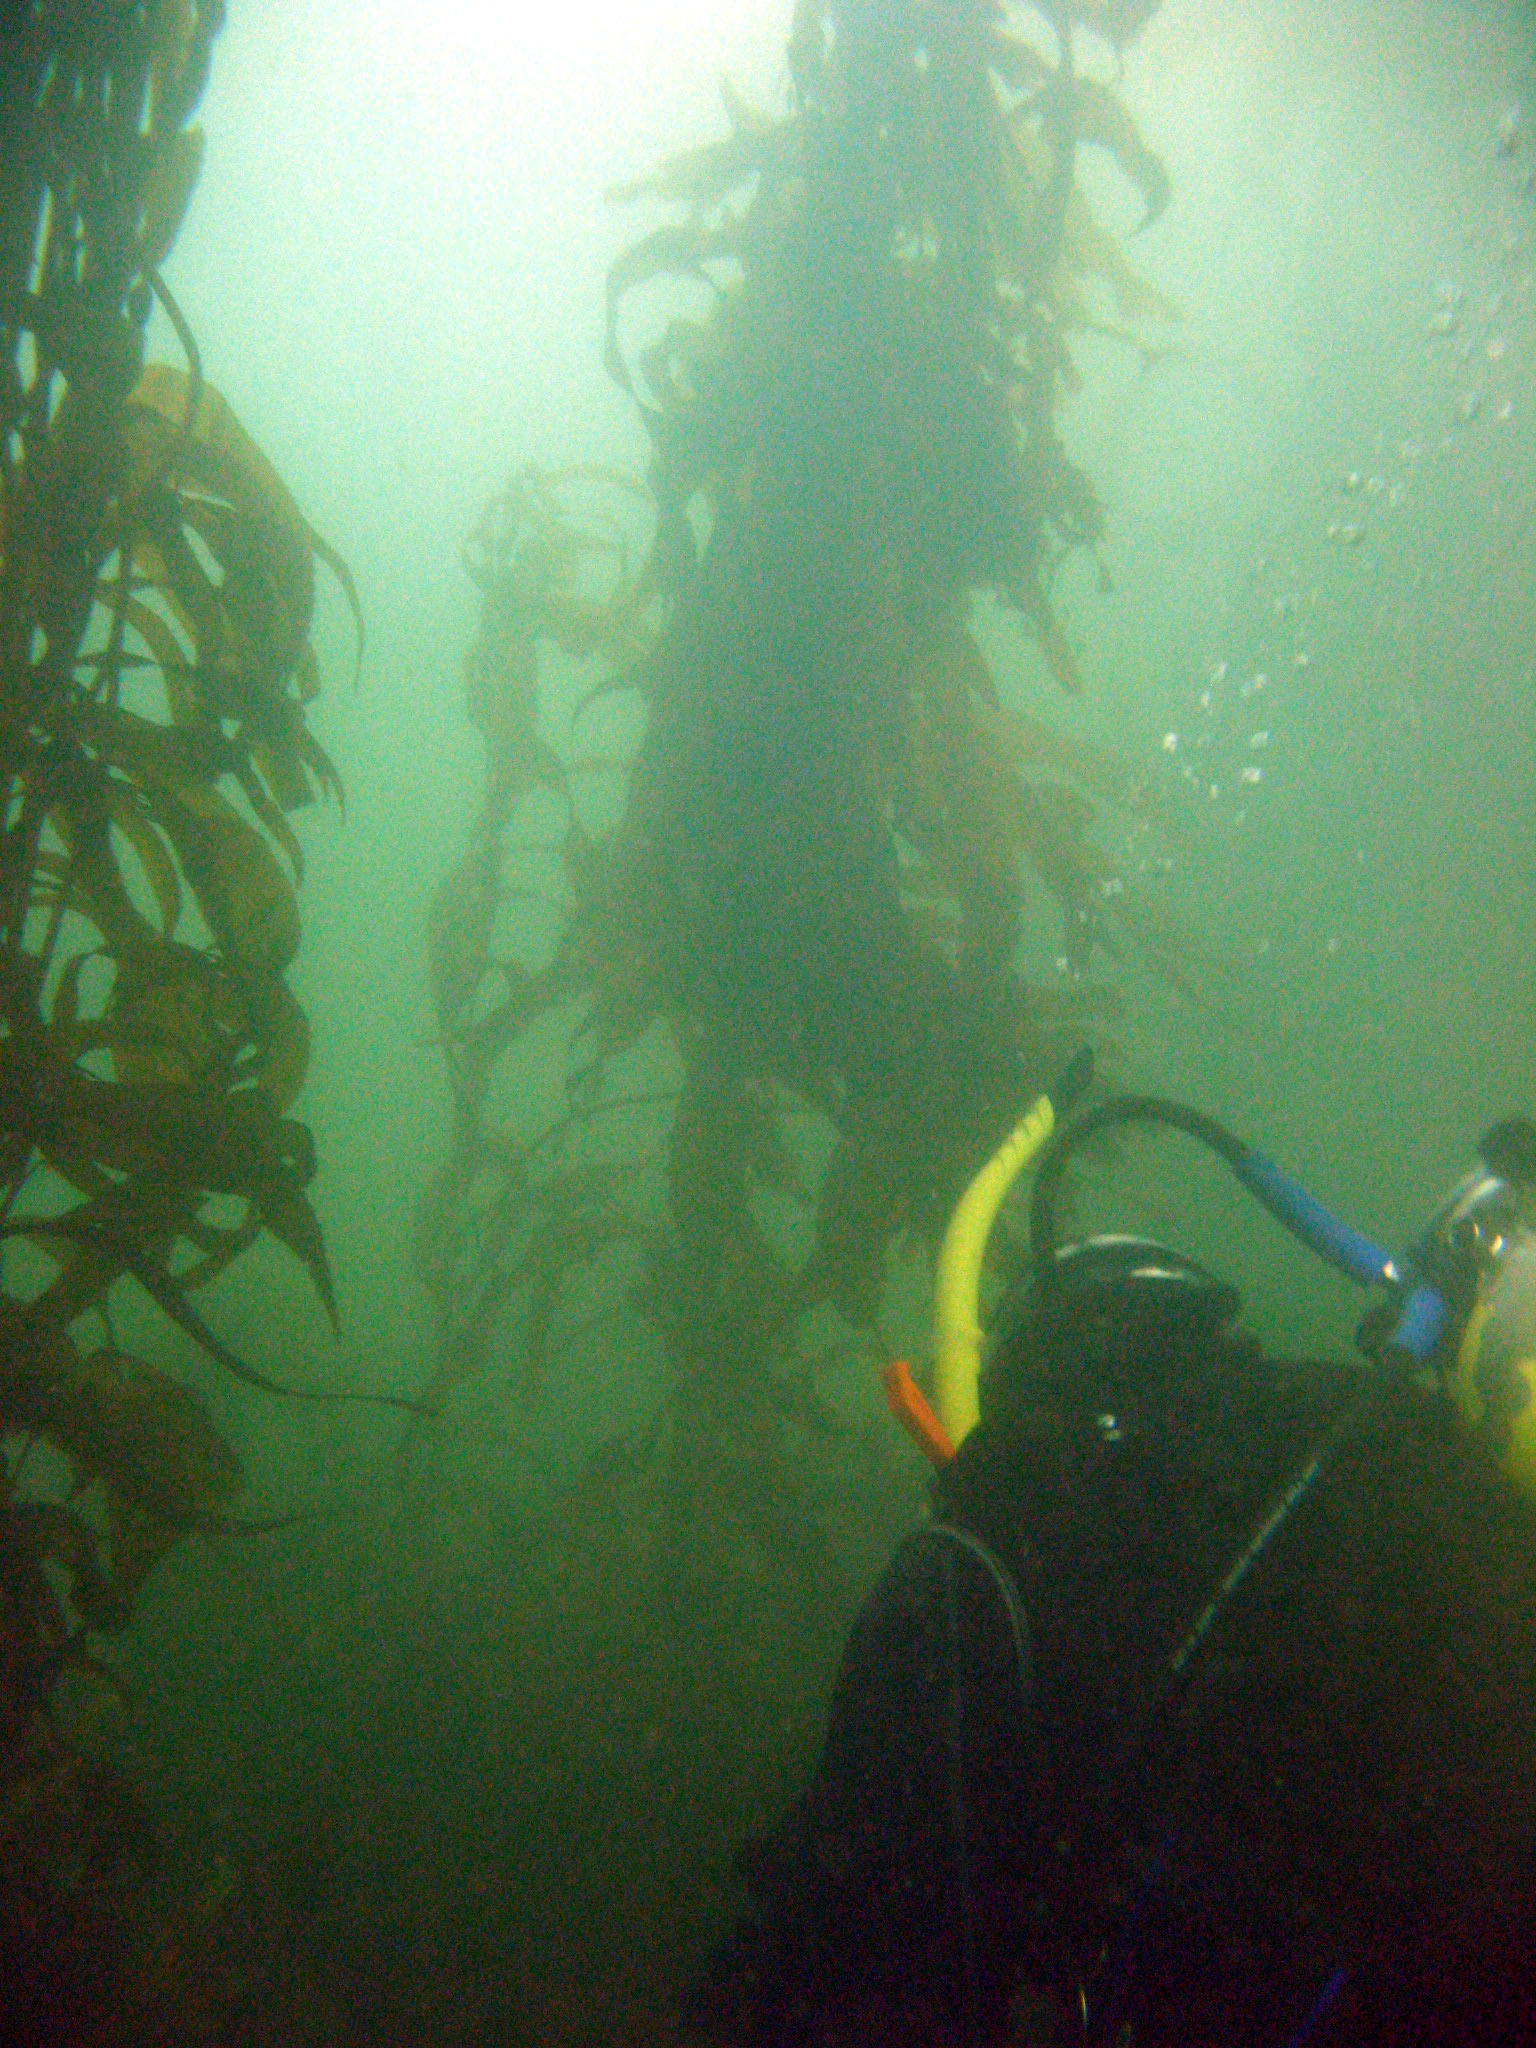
x=1117, y=1321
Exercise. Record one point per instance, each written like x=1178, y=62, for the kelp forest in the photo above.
x=727, y=969
x=727, y=980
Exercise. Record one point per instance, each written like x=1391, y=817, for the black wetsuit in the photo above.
x=1323, y=1833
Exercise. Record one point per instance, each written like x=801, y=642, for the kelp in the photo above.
x=806, y=901
x=156, y=591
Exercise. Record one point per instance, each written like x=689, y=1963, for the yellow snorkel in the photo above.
x=957, y=1282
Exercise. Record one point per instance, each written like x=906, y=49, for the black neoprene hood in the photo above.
x=1114, y=1304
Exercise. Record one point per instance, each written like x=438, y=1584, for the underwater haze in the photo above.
x=468, y=1782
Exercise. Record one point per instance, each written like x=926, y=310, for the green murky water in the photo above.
x=467, y=1778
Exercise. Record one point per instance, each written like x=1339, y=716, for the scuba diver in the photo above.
x=1202, y=1708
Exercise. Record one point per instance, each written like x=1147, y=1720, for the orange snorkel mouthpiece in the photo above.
x=913, y=1413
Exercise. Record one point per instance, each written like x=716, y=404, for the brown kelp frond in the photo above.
x=225, y=553
x=567, y=617
x=553, y=558
x=1102, y=122
x=1035, y=744
x=1097, y=253
x=504, y=1261
x=156, y=591
x=1118, y=21
x=967, y=253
